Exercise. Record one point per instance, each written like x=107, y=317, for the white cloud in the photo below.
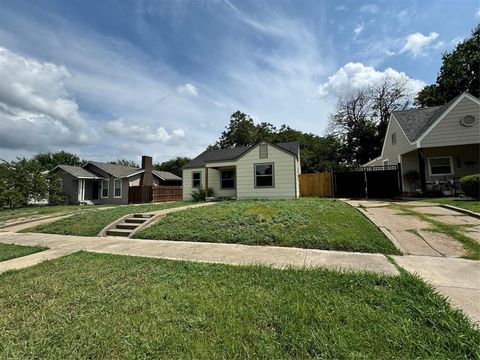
x=358, y=30
x=142, y=132
x=356, y=75
x=341, y=8
x=187, y=90
x=369, y=8
x=478, y=14
x=36, y=110
x=418, y=44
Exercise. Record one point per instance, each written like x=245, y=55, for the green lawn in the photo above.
x=306, y=223
x=90, y=223
x=7, y=214
x=105, y=306
x=12, y=251
x=464, y=203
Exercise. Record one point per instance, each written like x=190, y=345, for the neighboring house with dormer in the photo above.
x=104, y=183
x=261, y=171
x=440, y=143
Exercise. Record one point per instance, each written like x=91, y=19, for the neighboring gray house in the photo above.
x=440, y=143
x=103, y=183
x=262, y=171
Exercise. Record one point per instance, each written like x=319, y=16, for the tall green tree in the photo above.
x=459, y=72
x=174, y=165
x=49, y=160
x=317, y=153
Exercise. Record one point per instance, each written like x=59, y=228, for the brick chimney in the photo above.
x=147, y=176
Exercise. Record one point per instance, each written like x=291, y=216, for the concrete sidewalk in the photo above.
x=197, y=251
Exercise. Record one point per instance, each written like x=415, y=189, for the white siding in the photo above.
x=449, y=131
x=463, y=157
x=134, y=180
x=187, y=182
x=285, y=175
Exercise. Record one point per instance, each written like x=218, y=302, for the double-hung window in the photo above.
x=440, y=165
x=264, y=175
x=196, y=179
x=227, y=179
x=117, y=188
x=105, y=188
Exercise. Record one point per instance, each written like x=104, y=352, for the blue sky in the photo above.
x=118, y=79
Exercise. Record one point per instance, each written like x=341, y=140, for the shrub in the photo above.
x=198, y=194
x=471, y=185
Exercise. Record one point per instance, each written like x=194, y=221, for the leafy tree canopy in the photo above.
x=317, y=153
x=49, y=160
x=174, y=165
x=459, y=72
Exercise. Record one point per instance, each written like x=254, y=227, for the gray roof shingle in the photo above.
x=415, y=122
x=165, y=175
x=232, y=154
x=118, y=171
x=77, y=172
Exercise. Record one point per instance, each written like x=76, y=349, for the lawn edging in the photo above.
x=460, y=210
x=384, y=231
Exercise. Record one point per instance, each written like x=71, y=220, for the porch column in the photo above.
x=206, y=181
x=421, y=167
x=81, y=190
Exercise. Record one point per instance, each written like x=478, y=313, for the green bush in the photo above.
x=198, y=194
x=471, y=185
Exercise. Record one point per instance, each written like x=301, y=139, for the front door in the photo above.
x=95, y=186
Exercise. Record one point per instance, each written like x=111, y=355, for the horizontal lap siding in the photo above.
x=449, y=131
x=187, y=182
x=392, y=151
x=284, y=173
x=464, y=153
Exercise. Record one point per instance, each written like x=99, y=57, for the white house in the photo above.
x=262, y=171
x=440, y=143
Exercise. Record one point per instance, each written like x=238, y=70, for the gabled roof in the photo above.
x=118, y=171
x=165, y=175
x=77, y=171
x=414, y=122
x=234, y=153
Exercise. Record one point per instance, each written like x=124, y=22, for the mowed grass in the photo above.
x=107, y=307
x=464, y=203
x=12, y=251
x=9, y=214
x=306, y=223
x=90, y=223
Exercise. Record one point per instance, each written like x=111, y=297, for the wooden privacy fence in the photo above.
x=147, y=194
x=316, y=184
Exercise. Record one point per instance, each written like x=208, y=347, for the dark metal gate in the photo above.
x=379, y=182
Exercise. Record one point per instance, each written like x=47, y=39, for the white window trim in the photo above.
x=114, y=181
x=193, y=179
x=450, y=159
x=108, y=189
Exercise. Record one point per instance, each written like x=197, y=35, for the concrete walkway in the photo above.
x=412, y=235
x=233, y=254
x=456, y=279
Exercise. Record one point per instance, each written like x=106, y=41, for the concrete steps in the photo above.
x=128, y=225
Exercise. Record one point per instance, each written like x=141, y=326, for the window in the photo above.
x=468, y=120
x=196, y=179
x=60, y=183
x=263, y=175
x=263, y=148
x=394, y=138
x=440, y=165
x=227, y=179
x=105, y=188
x=117, y=188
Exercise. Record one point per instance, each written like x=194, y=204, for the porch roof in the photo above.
x=78, y=172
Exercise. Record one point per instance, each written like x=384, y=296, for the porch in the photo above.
x=439, y=169
x=221, y=179
x=89, y=191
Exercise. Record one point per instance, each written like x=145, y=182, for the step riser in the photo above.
x=135, y=221
x=127, y=226
x=142, y=216
x=117, y=233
